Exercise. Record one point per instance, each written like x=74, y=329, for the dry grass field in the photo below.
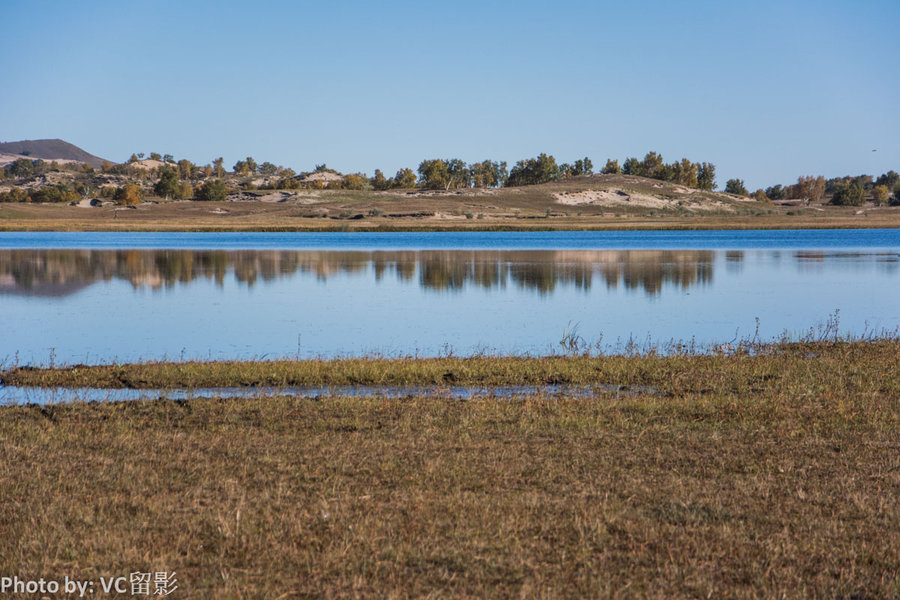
x=771, y=474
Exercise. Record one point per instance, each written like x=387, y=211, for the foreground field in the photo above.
x=742, y=476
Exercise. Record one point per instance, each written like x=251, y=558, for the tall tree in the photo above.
x=631, y=166
x=880, y=195
x=379, y=181
x=531, y=171
x=167, y=186
x=433, y=174
x=735, y=186
x=706, y=176
x=459, y=174
x=404, y=179
x=652, y=165
x=186, y=169
x=583, y=166
x=686, y=173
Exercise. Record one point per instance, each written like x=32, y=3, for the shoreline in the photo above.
x=340, y=214
x=649, y=368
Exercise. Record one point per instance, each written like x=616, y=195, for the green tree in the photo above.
x=667, y=172
x=531, y=171
x=167, y=186
x=433, y=174
x=54, y=193
x=686, y=172
x=379, y=181
x=15, y=194
x=706, y=176
x=583, y=166
x=612, y=167
x=213, y=190
x=652, y=165
x=880, y=195
x=168, y=158
x=21, y=168
x=631, y=166
x=776, y=192
x=488, y=173
x=155, y=156
x=458, y=171
x=735, y=186
x=218, y=167
x=849, y=194
x=267, y=168
x=890, y=180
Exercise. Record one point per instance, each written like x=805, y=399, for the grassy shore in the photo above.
x=522, y=209
x=773, y=475
x=766, y=367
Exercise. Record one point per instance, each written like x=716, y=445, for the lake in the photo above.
x=104, y=297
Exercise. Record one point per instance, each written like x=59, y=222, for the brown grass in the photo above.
x=771, y=476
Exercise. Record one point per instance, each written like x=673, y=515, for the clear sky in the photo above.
x=765, y=90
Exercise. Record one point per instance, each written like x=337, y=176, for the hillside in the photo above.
x=50, y=150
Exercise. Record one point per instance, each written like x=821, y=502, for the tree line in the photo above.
x=184, y=179
x=841, y=191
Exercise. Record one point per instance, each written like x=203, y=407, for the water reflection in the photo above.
x=64, y=272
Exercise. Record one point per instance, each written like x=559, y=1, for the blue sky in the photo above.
x=764, y=90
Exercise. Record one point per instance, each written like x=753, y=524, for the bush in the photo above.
x=849, y=194
x=14, y=195
x=355, y=181
x=212, y=191
x=54, y=193
x=735, y=186
x=129, y=195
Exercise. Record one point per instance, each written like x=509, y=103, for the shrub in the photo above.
x=735, y=186
x=849, y=194
x=212, y=191
x=129, y=194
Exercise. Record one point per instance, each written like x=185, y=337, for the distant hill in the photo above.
x=51, y=149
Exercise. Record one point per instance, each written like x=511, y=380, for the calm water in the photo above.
x=68, y=298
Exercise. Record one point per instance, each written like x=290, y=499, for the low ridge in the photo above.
x=50, y=150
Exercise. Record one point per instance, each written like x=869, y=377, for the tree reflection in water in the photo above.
x=61, y=272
